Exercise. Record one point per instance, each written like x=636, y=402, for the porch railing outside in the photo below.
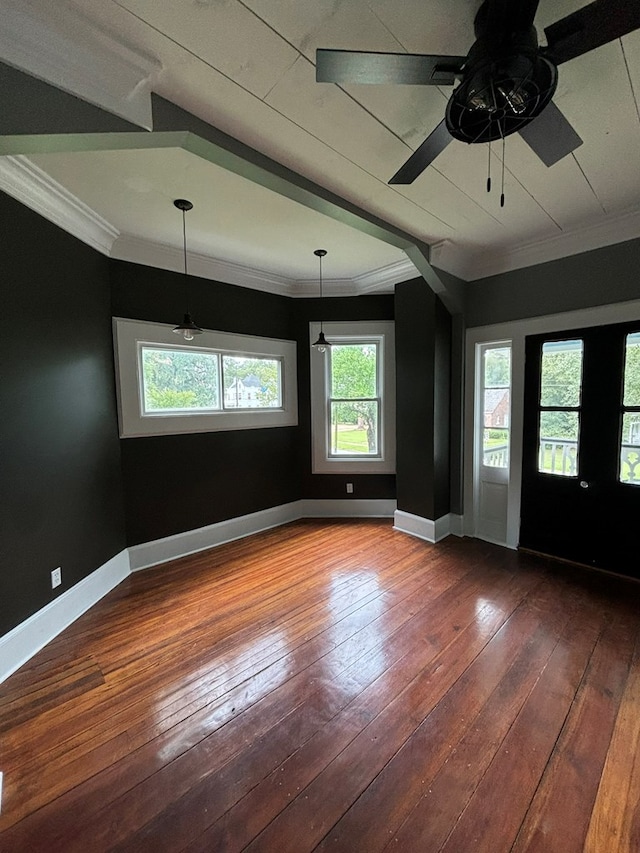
x=559, y=456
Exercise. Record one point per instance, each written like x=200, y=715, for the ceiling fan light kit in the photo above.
x=506, y=81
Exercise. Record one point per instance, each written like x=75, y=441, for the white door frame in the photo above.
x=516, y=332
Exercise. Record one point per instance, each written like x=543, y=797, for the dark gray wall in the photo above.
x=423, y=341
x=588, y=280
x=176, y=483
x=60, y=486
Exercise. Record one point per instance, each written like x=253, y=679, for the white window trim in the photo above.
x=129, y=334
x=346, y=332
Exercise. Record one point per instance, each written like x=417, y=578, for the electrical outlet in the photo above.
x=349, y=488
x=56, y=577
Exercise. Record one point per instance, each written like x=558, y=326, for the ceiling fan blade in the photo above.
x=550, y=135
x=354, y=66
x=590, y=27
x=423, y=156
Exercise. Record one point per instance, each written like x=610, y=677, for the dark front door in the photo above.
x=581, y=447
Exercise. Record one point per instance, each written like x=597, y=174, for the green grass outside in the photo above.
x=351, y=440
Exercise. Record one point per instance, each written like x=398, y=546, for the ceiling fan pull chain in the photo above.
x=502, y=193
x=489, y=170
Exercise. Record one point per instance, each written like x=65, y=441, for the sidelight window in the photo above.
x=496, y=399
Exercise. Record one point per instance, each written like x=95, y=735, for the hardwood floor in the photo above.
x=334, y=687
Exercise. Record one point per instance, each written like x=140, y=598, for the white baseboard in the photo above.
x=346, y=508
x=34, y=633
x=150, y=554
x=191, y=541
x=20, y=644
x=426, y=528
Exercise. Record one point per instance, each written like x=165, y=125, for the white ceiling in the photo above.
x=247, y=68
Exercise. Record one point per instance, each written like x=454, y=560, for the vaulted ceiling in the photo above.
x=247, y=68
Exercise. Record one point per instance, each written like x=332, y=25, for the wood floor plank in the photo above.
x=332, y=685
x=408, y=646
x=439, y=766
x=143, y=733
x=615, y=819
x=313, y=809
x=555, y=823
x=510, y=782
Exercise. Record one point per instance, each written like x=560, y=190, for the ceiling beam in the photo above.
x=54, y=121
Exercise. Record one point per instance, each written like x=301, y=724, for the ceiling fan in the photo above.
x=505, y=81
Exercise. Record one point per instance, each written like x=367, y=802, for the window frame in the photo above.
x=383, y=333
x=130, y=336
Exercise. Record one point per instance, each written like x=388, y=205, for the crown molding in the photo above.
x=148, y=253
x=615, y=228
x=24, y=181
x=64, y=48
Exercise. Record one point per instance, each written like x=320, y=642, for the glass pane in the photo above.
x=632, y=371
x=558, y=451
x=496, y=407
x=495, y=448
x=630, y=448
x=354, y=428
x=561, y=373
x=497, y=367
x=179, y=380
x=353, y=370
x=251, y=383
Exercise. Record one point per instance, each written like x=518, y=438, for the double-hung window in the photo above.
x=353, y=398
x=218, y=382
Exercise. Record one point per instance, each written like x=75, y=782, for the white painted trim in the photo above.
x=26, y=639
x=150, y=554
x=70, y=51
x=516, y=332
x=28, y=184
x=130, y=335
x=163, y=256
x=160, y=255
x=347, y=508
x=383, y=333
x=426, y=528
x=616, y=228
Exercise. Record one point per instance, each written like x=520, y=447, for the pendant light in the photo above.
x=322, y=343
x=187, y=328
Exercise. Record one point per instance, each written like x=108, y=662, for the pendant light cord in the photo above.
x=321, y=326
x=184, y=250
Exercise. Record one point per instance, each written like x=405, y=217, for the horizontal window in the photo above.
x=220, y=382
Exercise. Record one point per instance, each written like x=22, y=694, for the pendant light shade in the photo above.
x=188, y=328
x=322, y=343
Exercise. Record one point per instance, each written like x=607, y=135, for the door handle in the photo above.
x=584, y=484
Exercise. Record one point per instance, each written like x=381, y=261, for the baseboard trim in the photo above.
x=426, y=528
x=159, y=551
x=32, y=635
x=346, y=508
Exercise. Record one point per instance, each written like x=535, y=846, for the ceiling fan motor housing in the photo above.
x=505, y=84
